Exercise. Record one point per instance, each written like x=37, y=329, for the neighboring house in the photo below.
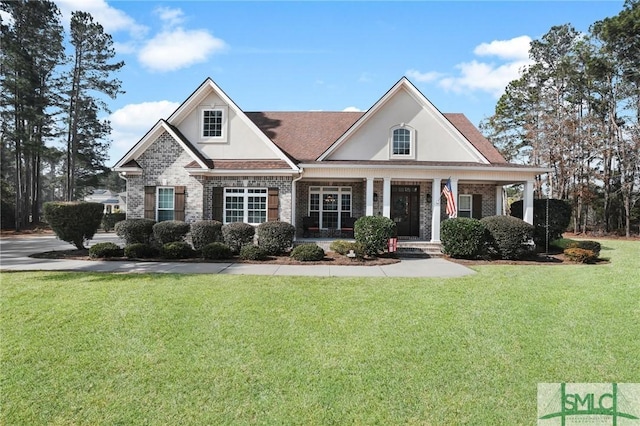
x=113, y=202
x=211, y=160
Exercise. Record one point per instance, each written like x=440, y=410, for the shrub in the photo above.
x=463, y=238
x=215, y=251
x=275, y=237
x=135, y=230
x=104, y=250
x=561, y=243
x=237, y=235
x=307, y=252
x=252, y=252
x=204, y=232
x=110, y=219
x=373, y=232
x=559, y=218
x=73, y=222
x=140, y=251
x=580, y=255
x=170, y=231
x=509, y=236
x=593, y=246
x=343, y=247
x=177, y=250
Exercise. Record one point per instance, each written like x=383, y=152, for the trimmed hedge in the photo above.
x=134, y=231
x=238, y=234
x=110, y=219
x=204, y=232
x=373, y=232
x=463, y=238
x=177, y=250
x=593, y=246
x=74, y=222
x=559, y=218
x=216, y=250
x=105, y=250
x=508, y=236
x=140, y=251
x=580, y=255
x=170, y=231
x=307, y=253
x=343, y=247
x=275, y=237
x=252, y=252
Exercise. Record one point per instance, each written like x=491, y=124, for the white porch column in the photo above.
x=499, y=200
x=435, y=210
x=369, y=197
x=527, y=208
x=386, y=197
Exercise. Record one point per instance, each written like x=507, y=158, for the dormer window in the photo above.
x=402, y=142
x=213, y=123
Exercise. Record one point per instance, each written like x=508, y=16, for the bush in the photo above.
x=104, y=250
x=559, y=218
x=204, y=232
x=74, y=222
x=580, y=255
x=110, y=219
x=307, y=252
x=509, y=236
x=275, y=237
x=237, y=235
x=134, y=231
x=343, y=247
x=252, y=252
x=593, y=246
x=170, y=231
x=463, y=238
x=140, y=251
x=215, y=251
x=373, y=232
x=177, y=250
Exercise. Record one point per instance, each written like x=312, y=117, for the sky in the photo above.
x=330, y=56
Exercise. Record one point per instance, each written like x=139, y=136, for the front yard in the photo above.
x=192, y=349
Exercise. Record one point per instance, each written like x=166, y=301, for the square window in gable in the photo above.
x=213, y=124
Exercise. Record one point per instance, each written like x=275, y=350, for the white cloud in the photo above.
x=423, y=77
x=516, y=48
x=110, y=18
x=131, y=122
x=352, y=109
x=171, y=17
x=171, y=50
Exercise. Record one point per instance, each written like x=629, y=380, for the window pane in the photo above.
x=330, y=220
x=165, y=215
x=212, y=123
x=314, y=202
x=165, y=198
x=465, y=202
x=329, y=201
x=346, y=202
x=401, y=142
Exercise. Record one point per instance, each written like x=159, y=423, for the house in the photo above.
x=212, y=160
x=113, y=202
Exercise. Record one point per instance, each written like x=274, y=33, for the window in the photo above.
x=213, y=122
x=465, y=205
x=402, y=142
x=329, y=206
x=247, y=205
x=165, y=199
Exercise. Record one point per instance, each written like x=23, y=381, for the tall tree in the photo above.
x=90, y=74
x=31, y=50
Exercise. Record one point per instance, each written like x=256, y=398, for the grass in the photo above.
x=83, y=348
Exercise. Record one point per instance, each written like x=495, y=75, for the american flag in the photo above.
x=451, y=202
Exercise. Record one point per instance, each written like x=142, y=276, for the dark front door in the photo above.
x=405, y=210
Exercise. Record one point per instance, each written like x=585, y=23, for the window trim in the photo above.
x=223, y=126
x=412, y=142
x=470, y=209
x=245, y=194
x=173, y=202
x=339, y=191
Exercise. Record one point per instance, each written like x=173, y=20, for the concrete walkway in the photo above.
x=14, y=254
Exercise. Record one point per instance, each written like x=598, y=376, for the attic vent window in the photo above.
x=212, y=123
x=402, y=142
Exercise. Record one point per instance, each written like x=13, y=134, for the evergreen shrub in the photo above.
x=559, y=218
x=204, y=232
x=105, y=250
x=343, y=247
x=110, y=219
x=580, y=255
x=463, y=238
x=252, y=252
x=140, y=251
x=216, y=250
x=238, y=234
x=74, y=222
x=170, y=231
x=593, y=246
x=307, y=252
x=177, y=250
x=135, y=230
x=275, y=237
x=508, y=236
x=373, y=232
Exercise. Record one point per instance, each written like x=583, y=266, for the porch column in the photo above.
x=386, y=197
x=499, y=201
x=527, y=208
x=369, y=198
x=435, y=210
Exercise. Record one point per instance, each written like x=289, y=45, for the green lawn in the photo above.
x=83, y=348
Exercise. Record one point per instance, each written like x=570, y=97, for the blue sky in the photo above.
x=296, y=56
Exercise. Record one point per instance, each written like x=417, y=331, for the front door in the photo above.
x=405, y=210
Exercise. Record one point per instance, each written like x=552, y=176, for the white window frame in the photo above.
x=412, y=143
x=462, y=212
x=173, y=202
x=338, y=191
x=224, y=110
x=245, y=194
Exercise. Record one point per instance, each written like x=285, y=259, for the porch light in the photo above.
x=428, y=198
x=375, y=197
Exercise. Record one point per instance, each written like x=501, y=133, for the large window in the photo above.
x=329, y=206
x=465, y=205
x=247, y=205
x=165, y=204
